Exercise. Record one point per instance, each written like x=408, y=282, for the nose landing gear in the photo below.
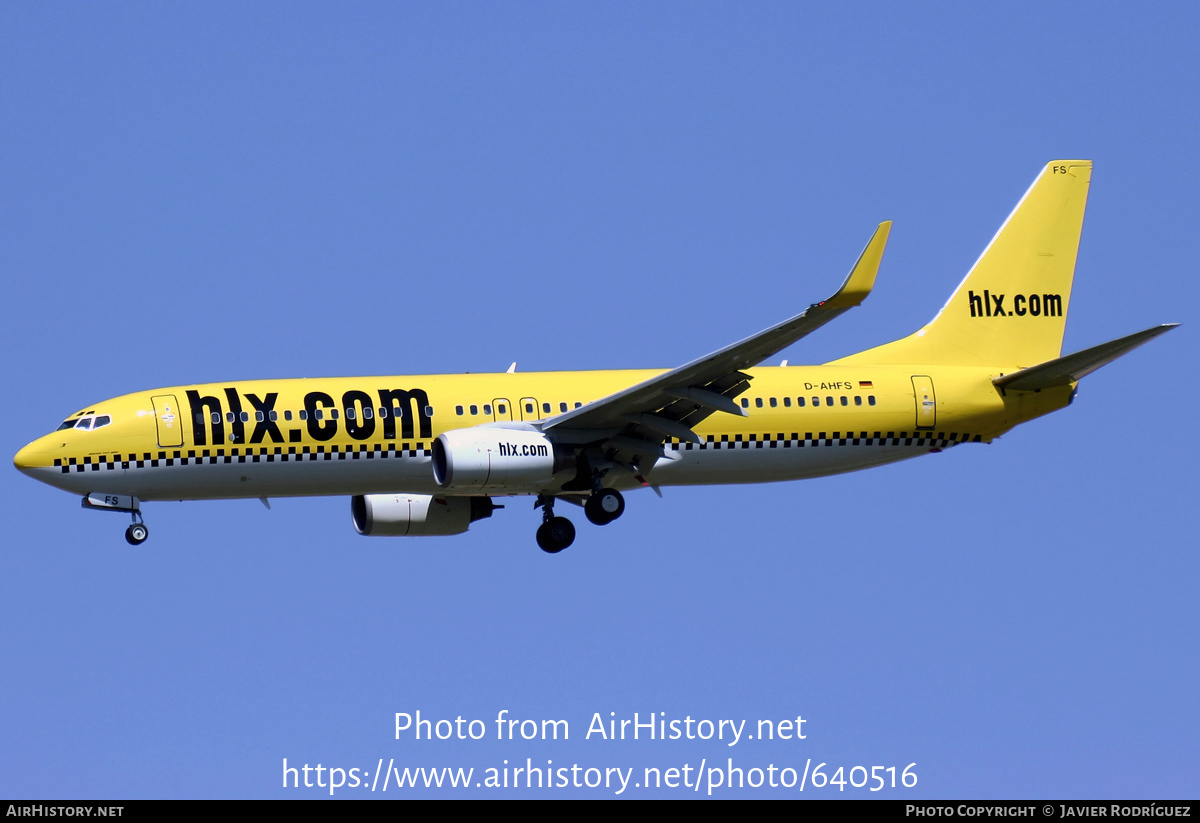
x=137, y=534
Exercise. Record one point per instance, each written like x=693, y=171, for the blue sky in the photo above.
x=282, y=190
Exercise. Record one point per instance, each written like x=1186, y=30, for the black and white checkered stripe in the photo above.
x=365, y=451
x=247, y=454
x=927, y=439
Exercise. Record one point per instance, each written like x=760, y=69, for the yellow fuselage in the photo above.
x=361, y=435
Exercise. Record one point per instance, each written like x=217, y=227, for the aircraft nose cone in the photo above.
x=26, y=458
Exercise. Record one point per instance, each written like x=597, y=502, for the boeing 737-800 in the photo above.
x=426, y=455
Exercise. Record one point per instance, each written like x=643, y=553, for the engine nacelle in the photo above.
x=497, y=460
x=416, y=515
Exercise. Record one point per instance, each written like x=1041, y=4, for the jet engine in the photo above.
x=416, y=515
x=497, y=460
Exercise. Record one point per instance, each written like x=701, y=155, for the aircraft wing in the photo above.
x=639, y=418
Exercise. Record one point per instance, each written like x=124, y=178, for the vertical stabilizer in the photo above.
x=1011, y=308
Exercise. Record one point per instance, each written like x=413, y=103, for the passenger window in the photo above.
x=787, y=402
x=871, y=400
x=458, y=410
x=318, y=414
x=349, y=412
x=304, y=414
x=367, y=413
x=216, y=418
x=816, y=401
x=828, y=400
x=529, y=408
x=382, y=412
x=429, y=411
x=397, y=412
x=287, y=415
x=474, y=410
x=758, y=402
x=487, y=408
x=258, y=416
x=774, y=403
x=230, y=417
x=562, y=407
x=501, y=408
x=545, y=408
x=845, y=402
x=577, y=405
x=245, y=416
x=800, y=402
x=745, y=402
x=333, y=414
x=857, y=400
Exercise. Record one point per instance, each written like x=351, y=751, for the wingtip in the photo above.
x=1161, y=328
x=861, y=279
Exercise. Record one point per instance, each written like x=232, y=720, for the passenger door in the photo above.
x=926, y=401
x=166, y=417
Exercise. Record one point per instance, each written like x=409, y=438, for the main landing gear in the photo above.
x=604, y=506
x=557, y=533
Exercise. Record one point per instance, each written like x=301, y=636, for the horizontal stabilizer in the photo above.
x=1073, y=367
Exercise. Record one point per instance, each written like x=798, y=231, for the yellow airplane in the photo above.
x=426, y=455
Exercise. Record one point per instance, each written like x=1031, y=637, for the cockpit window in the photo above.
x=87, y=423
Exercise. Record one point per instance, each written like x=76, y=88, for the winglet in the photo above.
x=861, y=279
